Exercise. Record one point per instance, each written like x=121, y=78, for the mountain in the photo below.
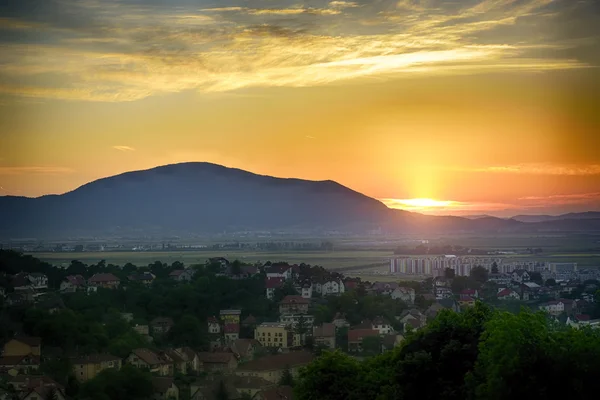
x=547, y=218
x=203, y=198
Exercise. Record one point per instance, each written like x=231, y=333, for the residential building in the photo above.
x=554, y=307
x=443, y=304
x=150, y=360
x=442, y=292
x=500, y=279
x=34, y=387
x=294, y=320
x=214, y=326
x=231, y=324
x=520, y=276
x=382, y=326
x=24, y=364
x=306, y=289
x=143, y=330
x=274, y=334
x=272, y=367
x=218, y=361
x=405, y=294
x=280, y=271
x=388, y=342
x=244, y=349
x=191, y=358
x=72, y=283
x=466, y=300
x=293, y=305
x=178, y=360
x=507, y=294
x=182, y=275
x=164, y=388
x=250, y=321
x=414, y=318
x=324, y=335
x=223, y=262
x=272, y=284
x=106, y=281
x=474, y=293
x=161, y=325
x=87, y=367
x=340, y=321
x=332, y=287
x=356, y=336
x=23, y=346
x=384, y=288
x=205, y=389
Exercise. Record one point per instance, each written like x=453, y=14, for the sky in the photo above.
x=438, y=106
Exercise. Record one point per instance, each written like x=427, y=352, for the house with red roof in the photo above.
x=72, y=283
x=293, y=305
x=356, y=336
x=507, y=294
x=470, y=292
x=107, y=281
x=280, y=271
x=271, y=284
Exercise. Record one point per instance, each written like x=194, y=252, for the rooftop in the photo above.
x=278, y=362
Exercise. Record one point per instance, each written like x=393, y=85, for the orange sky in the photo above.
x=483, y=105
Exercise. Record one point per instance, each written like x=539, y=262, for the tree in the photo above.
x=449, y=273
x=371, y=345
x=536, y=277
x=188, y=331
x=236, y=268
x=461, y=283
x=301, y=329
x=127, y=383
x=479, y=274
x=494, y=267
x=286, y=377
x=51, y=394
x=550, y=282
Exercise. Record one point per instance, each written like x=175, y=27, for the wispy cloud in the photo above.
x=538, y=169
x=153, y=50
x=38, y=170
x=123, y=148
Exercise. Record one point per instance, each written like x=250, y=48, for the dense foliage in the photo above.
x=478, y=354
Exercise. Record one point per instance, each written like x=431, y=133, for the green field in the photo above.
x=332, y=260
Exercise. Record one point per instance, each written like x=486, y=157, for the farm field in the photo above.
x=333, y=260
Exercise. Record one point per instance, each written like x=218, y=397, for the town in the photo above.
x=225, y=329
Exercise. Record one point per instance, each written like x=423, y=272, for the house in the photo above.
x=405, y=294
x=250, y=385
x=25, y=281
x=250, y=321
x=388, y=342
x=274, y=334
x=442, y=292
x=520, y=276
x=161, y=325
x=356, y=336
x=244, y=349
x=87, y=367
x=332, y=287
x=306, y=289
x=217, y=361
x=223, y=262
x=384, y=288
x=24, y=364
x=37, y=388
x=164, y=388
x=339, y=320
x=38, y=280
x=507, y=294
x=106, y=281
x=553, y=307
x=145, y=278
x=150, y=360
x=466, y=300
x=271, y=368
x=474, y=293
x=214, y=326
x=382, y=326
x=143, y=330
x=280, y=271
x=23, y=346
x=570, y=305
x=191, y=358
x=435, y=308
x=324, y=335
x=72, y=283
x=178, y=360
x=271, y=284
x=182, y=275
x=293, y=305
x=277, y=393
x=500, y=279
x=294, y=320
x=414, y=318
x=246, y=271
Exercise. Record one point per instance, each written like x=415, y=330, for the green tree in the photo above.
x=221, y=391
x=236, y=268
x=188, y=331
x=127, y=383
x=479, y=274
x=449, y=273
x=550, y=282
x=536, y=277
x=371, y=345
x=494, y=267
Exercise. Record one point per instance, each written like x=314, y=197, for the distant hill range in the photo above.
x=203, y=198
x=546, y=218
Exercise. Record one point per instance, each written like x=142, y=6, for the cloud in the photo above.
x=539, y=169
x=126, y=52
x=46, y=170
x=123, y=148
x=564, y=198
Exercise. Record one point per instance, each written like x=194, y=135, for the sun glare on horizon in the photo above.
x=421, y=204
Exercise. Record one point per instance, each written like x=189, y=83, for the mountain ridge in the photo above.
x=192, y=198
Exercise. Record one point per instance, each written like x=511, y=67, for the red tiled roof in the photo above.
x=76, y=280
x=231, y=328
x=294, y=299
x=582, y=317
x=273, y=283
x=469, y=292
x=278, y=269
x=356, y=335
x=148, y=356
x=177, y=272
x=18, y=360
x=505, y=292
x=216, y=358
x=467, y=298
